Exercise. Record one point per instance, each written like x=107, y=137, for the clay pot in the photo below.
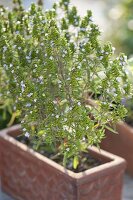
x=27, y=175
x=121, y=144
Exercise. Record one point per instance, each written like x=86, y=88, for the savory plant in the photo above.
x=55, y=63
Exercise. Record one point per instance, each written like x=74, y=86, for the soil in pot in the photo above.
x=86, y=161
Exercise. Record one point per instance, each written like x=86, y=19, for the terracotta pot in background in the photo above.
x=121, y=144
x=27, y=175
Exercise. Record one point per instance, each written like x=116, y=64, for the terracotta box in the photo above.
x=27, y=175
x=121, y=144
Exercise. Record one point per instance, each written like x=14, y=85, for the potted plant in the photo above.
x=55, y=62
x=124, y=147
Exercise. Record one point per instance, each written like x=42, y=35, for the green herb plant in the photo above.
x=55, y=62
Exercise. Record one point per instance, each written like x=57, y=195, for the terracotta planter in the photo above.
x=121, y=144
x=27, y=175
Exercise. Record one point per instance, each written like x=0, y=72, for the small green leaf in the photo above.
x=75, y=162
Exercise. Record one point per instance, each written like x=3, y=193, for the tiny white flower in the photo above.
x=18, y=22
x=4, y=48
x=22, y=84
x=67, y=149
x=40, y=17
x=17, y=32
x=19, y=48
x=65, y=3
x=79, y=67
x=24, y=129
x=125, y=58
x=35, y=100
x=44, y=21
x=14, y=46
x=52, y=9
x=57, y=116
x=65, y=119
x=118, y=79
x=30, y=94
x=126, y=71
x=11, y=65
x=59, y=81
x=113, y=49
x=83, y=50
x=84, y=60
x=12, y=71
x=79, y=104
x=41, y=77
x=87, y=127
x=28, y=105
x=4, y=29
x=51, y=58
x=101, y=57
x=14, y=108
x=28, y=57
x=70, y=108
x=83, y=29
x=27, y=135
x=55, y=102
